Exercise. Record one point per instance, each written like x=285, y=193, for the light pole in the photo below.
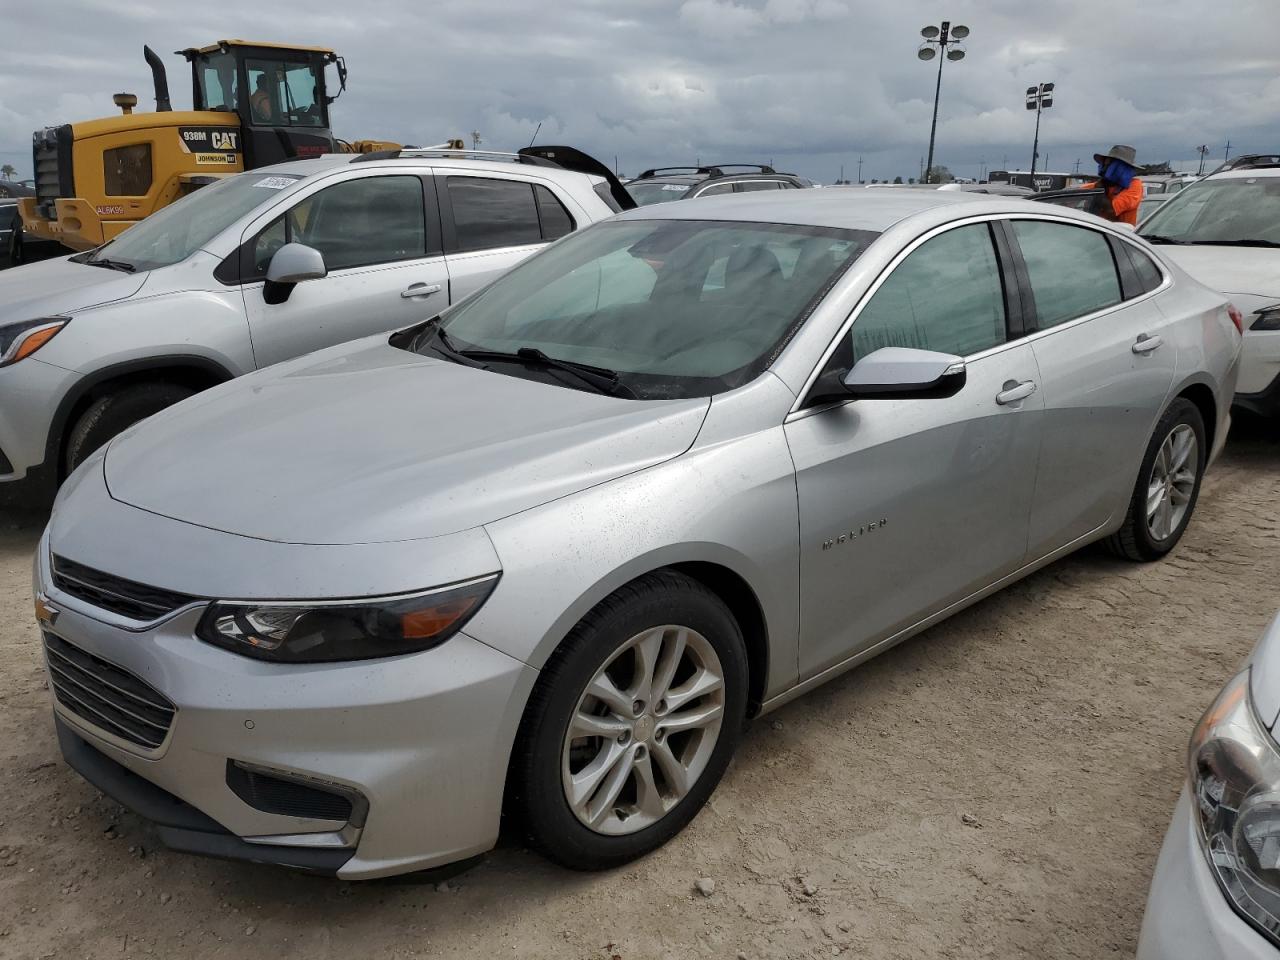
x=1204, y=152
x=940, y=37
x=1038, y=98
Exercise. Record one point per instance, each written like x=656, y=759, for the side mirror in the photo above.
x=292, y=264
x=893, y=373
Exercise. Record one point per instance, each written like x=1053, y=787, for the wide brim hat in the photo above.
x=1121, y=152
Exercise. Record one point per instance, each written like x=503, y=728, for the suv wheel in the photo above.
x=631, y=724
x=1168, y=485
x=115, y=413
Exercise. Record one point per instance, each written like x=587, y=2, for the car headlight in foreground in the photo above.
x=1235, y=785
x=324, y=631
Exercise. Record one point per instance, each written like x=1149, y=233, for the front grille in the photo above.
x=51, y=156
x=286, y=797
x=106, y=696
x=137, y=601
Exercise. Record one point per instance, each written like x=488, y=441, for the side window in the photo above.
x=555, y=219
x=493, y=213
x=362, y=222
x=1071, y=269
x=357, y=223
x=717, y=189
x=947, y=296
x=1149, y=275
x=750, y=186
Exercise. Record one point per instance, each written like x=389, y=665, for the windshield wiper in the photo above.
x=122, y=265
x=599, y=379
x=1156, y=238
x=1234, y=243
x=439, y=342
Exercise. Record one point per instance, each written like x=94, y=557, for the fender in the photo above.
x=53, y=445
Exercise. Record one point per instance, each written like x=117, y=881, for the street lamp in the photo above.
x=942, y=37
x=1038, y=98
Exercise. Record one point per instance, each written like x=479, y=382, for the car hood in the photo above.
x=1254, y=271
x=61, y=287
x=366, y=443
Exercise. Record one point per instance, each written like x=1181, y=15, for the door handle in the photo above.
x=419, y=290
x=1014, y=391
x=1145, y=344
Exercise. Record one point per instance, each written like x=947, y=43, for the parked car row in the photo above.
x=489, y=506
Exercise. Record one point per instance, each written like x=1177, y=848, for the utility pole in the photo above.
x=1077, y=164
x=1203, y=150
x=1227, y=153
x=941, y=37
x=475, y=139
x=921, y=170
x=841, y=180
x=1039, y=98
x=859, y=169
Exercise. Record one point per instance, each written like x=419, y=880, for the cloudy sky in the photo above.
x=808, y=84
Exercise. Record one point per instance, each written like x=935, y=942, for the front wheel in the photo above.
x=1167, y=488
x=115, y=413
x=631, y=724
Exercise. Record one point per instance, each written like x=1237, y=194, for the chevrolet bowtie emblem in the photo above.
x=46, y=612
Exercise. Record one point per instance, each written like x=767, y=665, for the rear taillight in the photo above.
x=1236, y=317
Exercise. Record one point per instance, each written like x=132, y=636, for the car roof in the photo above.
x=330, y=162
x=850, y=209
x=1245, y=173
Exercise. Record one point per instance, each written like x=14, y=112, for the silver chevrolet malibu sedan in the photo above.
x=544, y=554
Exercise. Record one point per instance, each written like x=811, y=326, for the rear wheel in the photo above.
x=116, y=412
x=1168, y=486
x=632, y=723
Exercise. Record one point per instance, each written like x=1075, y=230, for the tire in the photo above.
x=669, y=606
x=116, y=412
x=1136, y=539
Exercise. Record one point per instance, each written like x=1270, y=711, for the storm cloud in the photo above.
x=808, y=84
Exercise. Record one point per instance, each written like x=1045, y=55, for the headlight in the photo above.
x=1268, y=318
x=21, y=339
x=1235, y=785
x=318, y=632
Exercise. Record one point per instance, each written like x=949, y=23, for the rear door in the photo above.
x=1106, y=357
x=490, y=223
x=381, y=244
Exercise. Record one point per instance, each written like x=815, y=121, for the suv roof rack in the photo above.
x=406, y=152
x=1249, y=161
x=711, y=170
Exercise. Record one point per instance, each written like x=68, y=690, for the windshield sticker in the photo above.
x=276, y=183
x=677, y=187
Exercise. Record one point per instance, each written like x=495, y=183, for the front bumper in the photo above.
x=423, y=739
x=1187, y=917
x=30, y=392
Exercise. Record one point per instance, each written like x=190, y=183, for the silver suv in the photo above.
x=549, y=550
x=261, y=267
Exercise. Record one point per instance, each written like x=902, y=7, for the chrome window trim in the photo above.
x=797, y=409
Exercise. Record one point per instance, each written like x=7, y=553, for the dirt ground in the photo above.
x=997, y=787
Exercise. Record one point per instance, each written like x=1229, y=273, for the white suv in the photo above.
x=1224, y=230
x=261, y=267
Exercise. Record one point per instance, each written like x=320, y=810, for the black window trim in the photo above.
x=236, y=269
x=448, y=224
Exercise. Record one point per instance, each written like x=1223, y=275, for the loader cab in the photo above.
x=278, y=92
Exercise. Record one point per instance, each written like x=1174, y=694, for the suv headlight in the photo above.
x=1235, y=786
x=25, y=337
x=1266, y=318
x=324, y=631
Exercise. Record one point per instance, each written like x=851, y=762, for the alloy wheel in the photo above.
x=643, y=730
x=1172, y=482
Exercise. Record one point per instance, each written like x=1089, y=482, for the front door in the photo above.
x=907, y=506
x=1106, y=366
x=383, y=255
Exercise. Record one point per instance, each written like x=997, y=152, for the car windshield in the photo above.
x=646, y=193
x=1239, y=210
x=672, y=308
x=180, y=229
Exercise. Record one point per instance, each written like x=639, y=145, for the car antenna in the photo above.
x=535, y=133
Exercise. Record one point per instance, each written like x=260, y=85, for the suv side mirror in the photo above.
x=893, y=373
x=292, y=264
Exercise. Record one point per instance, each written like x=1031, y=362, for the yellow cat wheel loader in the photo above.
x=253, y=104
